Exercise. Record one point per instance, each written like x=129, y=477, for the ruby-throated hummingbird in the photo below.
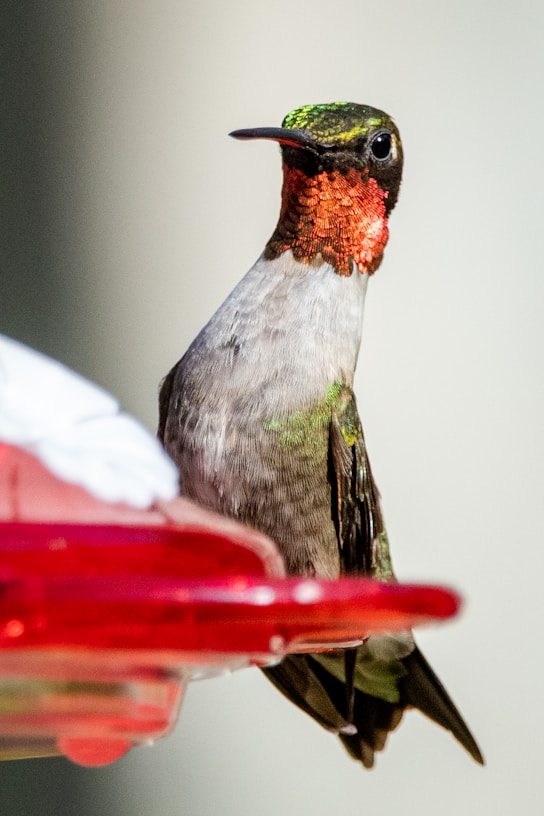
x=261, y=419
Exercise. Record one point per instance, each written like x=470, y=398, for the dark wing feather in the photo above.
x=355, y=508
x=356, y=501
x=165, y=395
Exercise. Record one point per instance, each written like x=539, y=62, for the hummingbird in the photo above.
x=261, y=419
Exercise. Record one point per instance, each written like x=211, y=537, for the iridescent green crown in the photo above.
x=335, y=122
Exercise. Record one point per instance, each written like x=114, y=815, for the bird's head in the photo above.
x=342, y=174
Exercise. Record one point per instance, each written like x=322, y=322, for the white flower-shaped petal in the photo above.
x=77, y=430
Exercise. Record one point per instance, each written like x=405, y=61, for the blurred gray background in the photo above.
x=128, y=215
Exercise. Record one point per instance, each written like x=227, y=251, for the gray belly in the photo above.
x=270, y=474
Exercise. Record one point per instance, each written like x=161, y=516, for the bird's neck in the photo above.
x=334, y=217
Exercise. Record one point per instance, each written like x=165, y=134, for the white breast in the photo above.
x=288, y=330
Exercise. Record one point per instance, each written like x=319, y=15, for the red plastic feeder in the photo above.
x=107, y=612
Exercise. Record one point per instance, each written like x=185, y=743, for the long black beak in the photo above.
x=285, y=136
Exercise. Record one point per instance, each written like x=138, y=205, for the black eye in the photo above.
x=381, y=146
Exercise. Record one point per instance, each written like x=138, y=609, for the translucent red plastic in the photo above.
x=102, y=625
x=115, y=587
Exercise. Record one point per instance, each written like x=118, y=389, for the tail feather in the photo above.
x=373, y=718
x=323, y=697
x=422, y=689
x=296, y=678
x=364, y=730
x=350, y=659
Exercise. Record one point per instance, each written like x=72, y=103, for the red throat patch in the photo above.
x=340, y=216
